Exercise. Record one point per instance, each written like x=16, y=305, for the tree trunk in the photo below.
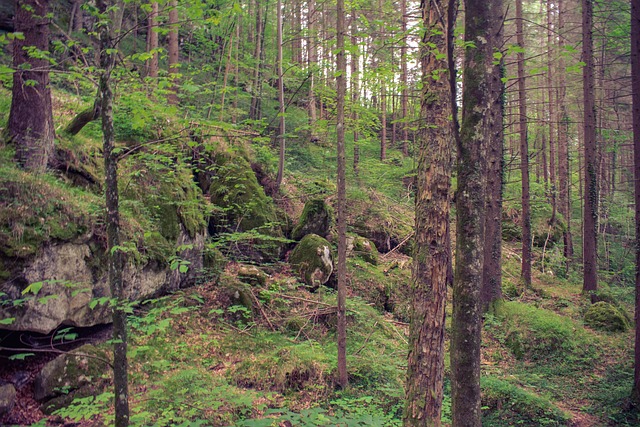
x=383, y=118
x=432, y=256
x=342, y=198
x=354, y=89
x=552, y=112
x=255, y=111
x=312, y=53
x=470, y=209
x=115, y=255
x=30, y=125
x=491, y=292
x=403, y=78
x=635, y=85
x=524, y=151
x=152, y=41
x=172, y=98
x=281, y=110
x=589, y=245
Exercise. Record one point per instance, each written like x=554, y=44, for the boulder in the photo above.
x=252, y=275
x=71, y=375
x=363, y=248
x=606, y=317
x=317, y=218
x=7, y=398
x=313, y=261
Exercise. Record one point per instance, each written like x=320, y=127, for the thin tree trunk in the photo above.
x=635, y=85
x=174, y=51
x=342, y=198
x=30, y=125
x=152, y=41
x=225, y=78
x=281, y=111
x=403, y=78
x=524, y=151
x=432, y=256
x=383, y=118
x=115, y=255
x=552, y=112
x=312, y=54
x=590, y=282
x=355, y=57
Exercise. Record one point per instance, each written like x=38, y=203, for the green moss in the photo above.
x=606, y=317
x=306, y=259
x=317, y=218
x=506, y=404
x=366, y=250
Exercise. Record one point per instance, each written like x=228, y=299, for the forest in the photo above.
x=320, y=213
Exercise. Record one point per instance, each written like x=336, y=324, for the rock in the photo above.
x=7, y=398
x=363, y=248
x=72, y=275
x=317, y=218
x=606, y=317
x=252, y=275
x=71, y=375
x=313, y=260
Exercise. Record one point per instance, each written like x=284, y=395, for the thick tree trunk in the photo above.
x=589, y=239
x=635, y=85
x=432, y=256
x=30, y=125
x=491, y=292
x=470, y=209
x=115, y=255
x=174, y=51
x=524, y=151
x=342, y=198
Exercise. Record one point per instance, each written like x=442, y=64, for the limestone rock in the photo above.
x=313, y=260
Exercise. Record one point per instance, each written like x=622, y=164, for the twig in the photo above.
x=367, y=339
x=255, y=299
x=56, y=351
x=399, y=244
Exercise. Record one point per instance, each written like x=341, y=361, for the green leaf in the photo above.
x=33, y=288
x=7, y=321
x=20, y=356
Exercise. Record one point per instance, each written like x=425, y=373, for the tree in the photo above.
x=524, y=151
x=403, y=78
x=174, y=51
x=152, y=41
x=635, y=85
x=341, y=84
x=30, y=125
x=281, y=110
x=491, y=291
x=432, y=254
x=590, y=282
x=114, y=253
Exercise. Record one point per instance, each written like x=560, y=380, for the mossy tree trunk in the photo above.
x=30, y=125
x=342, y=196
x=635, y=82
x=432, y=256
x=470, y=207
x=115, y=255
x=491, y=292
x=589, y=241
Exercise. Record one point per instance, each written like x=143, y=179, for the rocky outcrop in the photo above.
x=317, y=218
x=57, y=286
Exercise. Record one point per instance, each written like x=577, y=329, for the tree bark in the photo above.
x=312, y=53
x=174, y=52
x=30, y=125
x=281, y=110
x=470, y=209
x=552, y=112
x=152, y=41
x=635, y=85
x=342, y=197
x=355, y=58
x=590, y=282
x=432, y=255
x=403, y=78
x=524, y=151
x=115, y=255
x=491, y=292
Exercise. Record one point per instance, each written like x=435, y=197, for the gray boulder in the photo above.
x=7, y=398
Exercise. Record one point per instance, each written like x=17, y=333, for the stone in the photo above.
x=362, y=247
x=317, y=218
x=313, y=260
x=7, y=398
x=606, y=317
x=252, y=275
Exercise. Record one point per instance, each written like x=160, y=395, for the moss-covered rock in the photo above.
x=317, y=218
x=71, y=376
x=242, y=206
x=313, y=260
x=606, y=317
x=364, y=248
x=252, y=275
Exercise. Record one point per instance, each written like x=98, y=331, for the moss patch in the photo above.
x=317, y=218
x=605, y=317
x=313, y=260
